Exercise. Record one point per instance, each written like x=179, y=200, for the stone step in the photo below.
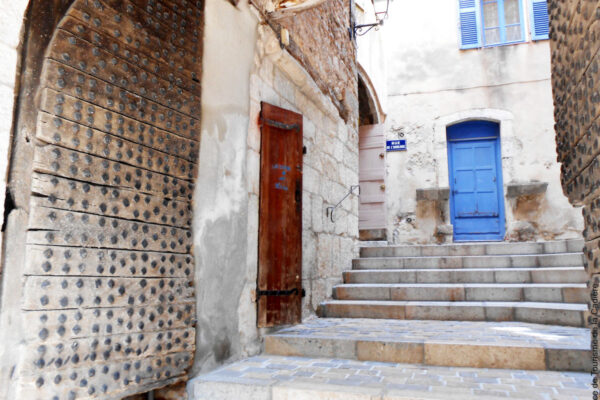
x=471, y=275
x=518, y=261
x=535, y=292
x=512, y=345
x=474, y=249
x=534, y=312
x=300, y=378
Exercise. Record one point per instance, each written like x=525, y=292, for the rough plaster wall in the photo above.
x=11, y=21
x=575, y=36
x=243, y=67
x=430, y=78
x=221, y=204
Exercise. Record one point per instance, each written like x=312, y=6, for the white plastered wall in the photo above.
x=432, y=84
x=11, y=23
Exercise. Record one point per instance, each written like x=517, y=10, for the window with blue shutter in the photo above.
x=487, y=23
x=469, y=24
x=540, y=22
x=502, y=22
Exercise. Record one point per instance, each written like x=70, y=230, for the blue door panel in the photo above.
x=477, y=226
x=477, y=198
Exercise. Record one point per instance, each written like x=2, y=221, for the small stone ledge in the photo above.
x=433, y=194
x=525, y=189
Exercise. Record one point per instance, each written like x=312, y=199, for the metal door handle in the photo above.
x=382, y=187
x=381, y=155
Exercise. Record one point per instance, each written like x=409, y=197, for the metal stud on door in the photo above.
x=108, y=296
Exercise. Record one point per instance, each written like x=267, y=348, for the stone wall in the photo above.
x=320, y=41
x=330, y=168
x=575, y=39
x=433, y=84
x=243, y=67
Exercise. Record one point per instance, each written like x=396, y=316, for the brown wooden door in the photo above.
x=280, y=223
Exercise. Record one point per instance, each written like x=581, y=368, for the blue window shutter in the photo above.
x=470, y=32
x=540, y=22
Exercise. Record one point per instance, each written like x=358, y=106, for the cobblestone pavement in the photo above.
x=296, y=378
x=482, y=333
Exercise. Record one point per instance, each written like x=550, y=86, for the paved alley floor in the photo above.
x=506, y=333
x=298, y=378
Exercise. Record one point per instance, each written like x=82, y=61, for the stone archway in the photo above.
x=370, y=111
x=98, y=262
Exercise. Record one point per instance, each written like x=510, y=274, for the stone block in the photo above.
x=311, y=180
x=342, y=131
x=575, y=295
x=559, y=275
x=207, y=390
x=254, y=135
x=493, y=294
x=309, y=129
x=524, y=189
x=283, y=86
x=324, y=255
x=428, y=293
x=317, y=213
x=310, y=347
x=309, y=254
x=393, y=352
x=266, y=71
x=362, y=293
x=444, y=312
x=434, y=194
x=363, y=310
x=484, y=356
x=253, y=172
x=564, y=317
x=498, y=314
x=536, y=294
x=306, y=210
x=324, y=391
x=569, y=360
x=517, y=276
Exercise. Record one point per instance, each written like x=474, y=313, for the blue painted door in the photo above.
x=477, y=198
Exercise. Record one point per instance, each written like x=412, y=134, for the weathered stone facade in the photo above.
x=320, y=40
x=575, y=34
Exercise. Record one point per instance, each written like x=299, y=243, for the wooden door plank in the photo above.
x=280, y=220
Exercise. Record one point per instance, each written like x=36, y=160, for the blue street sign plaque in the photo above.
x=396, y=145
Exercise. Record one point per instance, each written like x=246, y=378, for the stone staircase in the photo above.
x=528, y=282
x=460, y=321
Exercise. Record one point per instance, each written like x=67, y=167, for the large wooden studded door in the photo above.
x=108, y=302
x=280, y=222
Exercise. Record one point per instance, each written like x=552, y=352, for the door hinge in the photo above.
x=280, y=292
x=281, y=125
